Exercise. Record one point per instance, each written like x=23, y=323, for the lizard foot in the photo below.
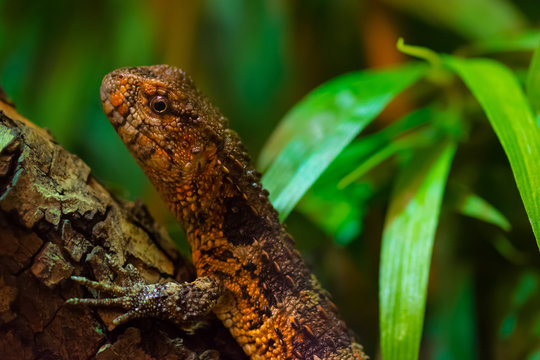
x=181, y=303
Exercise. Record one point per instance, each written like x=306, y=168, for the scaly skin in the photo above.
x=249, y=272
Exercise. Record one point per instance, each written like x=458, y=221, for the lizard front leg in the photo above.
x=180, y=303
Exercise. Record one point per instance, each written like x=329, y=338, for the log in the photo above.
x=57, y=221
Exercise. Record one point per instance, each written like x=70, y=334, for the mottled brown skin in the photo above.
x=249, y=272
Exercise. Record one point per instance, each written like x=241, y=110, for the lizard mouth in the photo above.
x=115, y=103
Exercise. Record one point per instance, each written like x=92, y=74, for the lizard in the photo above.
x=249, y=273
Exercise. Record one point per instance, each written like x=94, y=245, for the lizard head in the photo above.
x=180, y=140
x=171, y=129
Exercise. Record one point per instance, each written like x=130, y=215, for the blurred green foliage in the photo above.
x=256, y=60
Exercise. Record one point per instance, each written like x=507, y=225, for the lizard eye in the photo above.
x=159, y=104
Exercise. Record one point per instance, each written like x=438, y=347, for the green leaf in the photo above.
x=507, y=250
x=506, y=107
x=339, y=212
x=474, y=19
x=408, y=236
x=415, y=139
x=359, y=150
x=525, y=41
x=533, y=82
x=317, y=129
x=443, y=122
x=474, y=206
x=523, y=296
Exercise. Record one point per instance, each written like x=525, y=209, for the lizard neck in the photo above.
x=236, y=216
x=219, y=196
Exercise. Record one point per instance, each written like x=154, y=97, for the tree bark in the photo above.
x=57, y=220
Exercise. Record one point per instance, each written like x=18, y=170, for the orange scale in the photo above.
x=116, y=98
x=149, y=89
x=123, y=109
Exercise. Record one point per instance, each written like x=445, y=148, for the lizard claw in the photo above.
x=179, y=303
x=100, y=286
x=124, y=297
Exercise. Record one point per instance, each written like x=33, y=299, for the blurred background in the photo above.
x=257, y=58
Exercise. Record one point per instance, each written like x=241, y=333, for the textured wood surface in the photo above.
x=56, y=221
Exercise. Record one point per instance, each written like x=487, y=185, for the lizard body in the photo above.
x=249, y=271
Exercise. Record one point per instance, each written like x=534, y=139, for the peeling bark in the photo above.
x=57, y=220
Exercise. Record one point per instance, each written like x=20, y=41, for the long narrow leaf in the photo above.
x=408, y=237
x=533, y=82
x=415, y=139
x=340, y=212
x=474, y=19
x=360, y=149
x=506, y=107
x=524, y=41
x=472, y=205
x=505, y=247
x=321, y=125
